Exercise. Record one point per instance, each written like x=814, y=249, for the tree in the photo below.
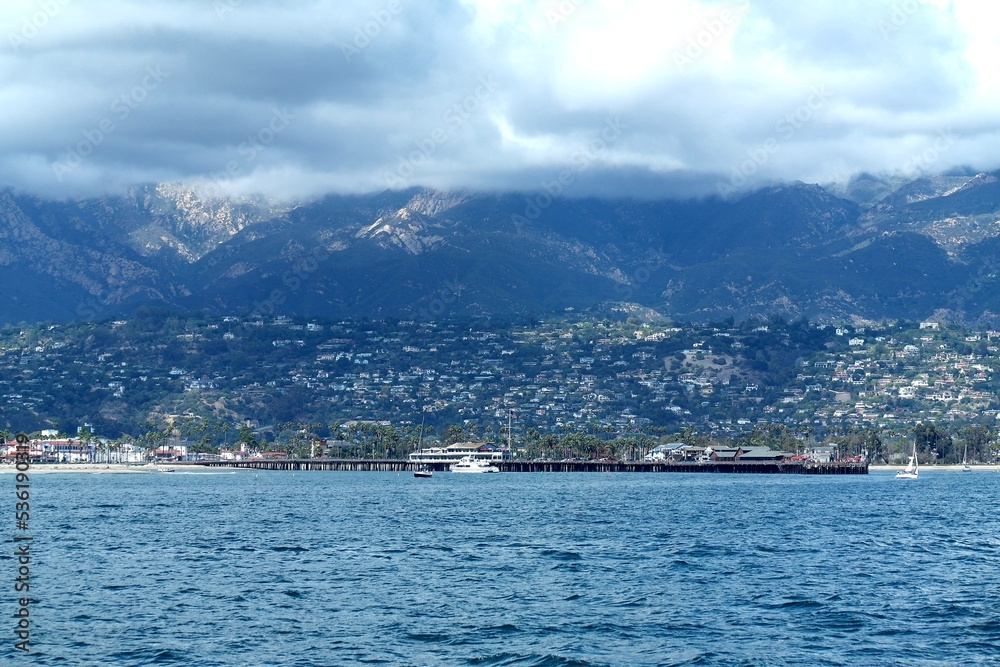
x=87, y=438
x=977, y=440
x=852, y=442
x=204, y=446
x=454, y=433
x=933, y=440
x=772, y=437
x=246, y=435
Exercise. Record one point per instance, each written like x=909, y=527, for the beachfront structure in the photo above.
x=681, y=452
x=172, y=452
x=8, y=451
x=55, y=450
x=747, y=454
x=75, y=450
x=456, y=452
x=663, y=452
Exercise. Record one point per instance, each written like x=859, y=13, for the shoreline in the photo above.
x=126, y=468
x=957, y=467
x=109, y=468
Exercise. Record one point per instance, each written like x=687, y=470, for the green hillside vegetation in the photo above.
x=592, y=385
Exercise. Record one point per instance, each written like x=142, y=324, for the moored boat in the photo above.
x=469, y=464
x=423, y=470
x=910, y=471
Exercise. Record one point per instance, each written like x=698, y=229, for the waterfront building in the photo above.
x=456, y=452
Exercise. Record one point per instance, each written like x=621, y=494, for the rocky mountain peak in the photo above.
x=406, y=229
x=434, y=203
x=795, y=248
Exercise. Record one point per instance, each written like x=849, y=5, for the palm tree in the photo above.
x=247, y=437
x=87, y=438
x=104, y=450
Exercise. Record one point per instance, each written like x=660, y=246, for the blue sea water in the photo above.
x=326, y=568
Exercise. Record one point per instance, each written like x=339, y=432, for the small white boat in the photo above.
x=473, y=465
x=910, y=471
x=423, y=470
x=965, y=456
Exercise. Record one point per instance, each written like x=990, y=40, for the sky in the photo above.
x=647, y=98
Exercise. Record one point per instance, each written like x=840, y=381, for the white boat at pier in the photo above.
x=472, y=465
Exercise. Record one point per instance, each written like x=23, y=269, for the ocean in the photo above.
x=331, y=568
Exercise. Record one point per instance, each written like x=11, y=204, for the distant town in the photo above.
x=166, y=386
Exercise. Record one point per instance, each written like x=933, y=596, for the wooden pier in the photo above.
x=398, y=465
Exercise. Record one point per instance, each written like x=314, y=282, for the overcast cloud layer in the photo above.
x=644, y=97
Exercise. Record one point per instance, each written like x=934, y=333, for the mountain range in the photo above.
x=871, y=249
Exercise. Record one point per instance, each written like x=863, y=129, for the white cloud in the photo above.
x=390, y=92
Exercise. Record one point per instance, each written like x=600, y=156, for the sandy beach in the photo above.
x=109, y=468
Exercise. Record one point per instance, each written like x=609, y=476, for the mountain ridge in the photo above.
x=921, y=246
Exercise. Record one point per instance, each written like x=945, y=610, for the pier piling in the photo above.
x=397, y=465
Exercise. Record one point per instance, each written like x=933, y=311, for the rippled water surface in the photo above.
x=320, y=569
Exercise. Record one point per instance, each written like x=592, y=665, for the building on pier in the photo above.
x=456, y=452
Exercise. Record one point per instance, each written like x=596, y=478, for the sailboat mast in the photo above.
x=510, y=439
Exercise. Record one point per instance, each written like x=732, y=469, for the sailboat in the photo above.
x=965, y=456
x=910, y=471
x=423, y=470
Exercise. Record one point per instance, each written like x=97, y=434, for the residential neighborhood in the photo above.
x=164, y=382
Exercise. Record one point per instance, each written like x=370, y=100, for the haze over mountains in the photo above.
x=872, y=249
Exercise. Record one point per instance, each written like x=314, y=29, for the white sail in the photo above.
x=910, y=471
